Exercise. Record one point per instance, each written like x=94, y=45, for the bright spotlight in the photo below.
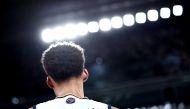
x=165, y=13
x=82, y=29
x=140, y=17
x=152, y=15
x=116, y=22
x=70, y=31
x=105, y=24
x=177, y=10
x=128, y=20
x=59, y=33
x=93, y=27
x=47, y=35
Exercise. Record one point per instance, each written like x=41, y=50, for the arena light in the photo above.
x=152, y=15
x=70, y=31
x=105, y=24
x=165, y=12
x=82, y=29
x=177, y=10
x=140, y=17
x=59, y=33
x=47, y=35
x=93, y=27
x=128, y=20
x=116, y=22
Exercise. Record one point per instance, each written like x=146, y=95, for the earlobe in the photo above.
x=49, y=82
x=85, y=75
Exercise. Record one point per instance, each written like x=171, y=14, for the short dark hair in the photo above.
x=63, y=60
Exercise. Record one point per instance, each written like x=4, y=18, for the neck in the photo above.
x=72, y=86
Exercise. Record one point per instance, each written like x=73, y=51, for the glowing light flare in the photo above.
x=82, y=29
x=140, y=17
x=70, y=31
x=47, y=35
x=59, y=33
x=152, y=15
x=165, y=13
x=177, y=10
x=93, y=27
x=128, y=20
x=105, y=24
x=116, y=22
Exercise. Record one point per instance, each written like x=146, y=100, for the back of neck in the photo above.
x=70, y=87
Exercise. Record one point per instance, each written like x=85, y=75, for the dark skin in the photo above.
x=72, y=86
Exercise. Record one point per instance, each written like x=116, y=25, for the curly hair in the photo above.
x=63, y=60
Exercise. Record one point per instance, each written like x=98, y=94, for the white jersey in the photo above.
x=71, y=102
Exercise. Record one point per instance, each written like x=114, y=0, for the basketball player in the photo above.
x=63, y=64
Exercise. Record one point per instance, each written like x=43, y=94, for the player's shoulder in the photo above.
x=74, y=102
x=99, y=105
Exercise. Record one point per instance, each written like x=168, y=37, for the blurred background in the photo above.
x=137, y=51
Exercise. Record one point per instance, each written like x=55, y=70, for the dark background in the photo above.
x=143, y=65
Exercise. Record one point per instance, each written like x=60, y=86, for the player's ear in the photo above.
x=85, y=75
x=50, y=82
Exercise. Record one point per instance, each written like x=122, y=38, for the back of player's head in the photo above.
x=63, y=61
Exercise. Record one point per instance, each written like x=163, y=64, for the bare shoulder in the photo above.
x=29, y=108
x=114, y=107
